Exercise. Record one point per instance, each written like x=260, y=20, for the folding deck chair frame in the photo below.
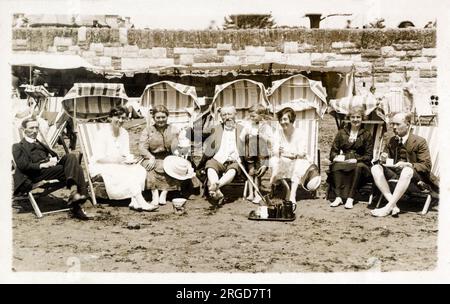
x=430, y=135
x=48, y=187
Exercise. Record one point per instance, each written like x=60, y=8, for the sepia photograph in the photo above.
x=223, y=137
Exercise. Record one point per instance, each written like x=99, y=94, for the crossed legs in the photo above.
x=400, y=189
x=215, y=183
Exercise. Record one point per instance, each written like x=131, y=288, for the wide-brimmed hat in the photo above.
x=178, y=167
x=312, y=179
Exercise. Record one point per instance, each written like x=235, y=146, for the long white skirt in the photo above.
x=122, y=181
x=283, y=167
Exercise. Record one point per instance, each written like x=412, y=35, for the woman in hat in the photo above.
x=157, y=141
x=123, y=177
x=290, y=159
x=351, y=154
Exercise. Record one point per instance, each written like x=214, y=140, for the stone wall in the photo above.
x=384, y=57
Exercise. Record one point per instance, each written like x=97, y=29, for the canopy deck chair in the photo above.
x=38, y=94
x=40, y=189
x=430, y=133
x=92, y=102
x=375, y=122
x=308, y=99
x=179, y=99
x=242, y=94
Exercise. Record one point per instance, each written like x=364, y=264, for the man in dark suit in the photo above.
x=221, y=149
x=35, y=162
x=411, y=163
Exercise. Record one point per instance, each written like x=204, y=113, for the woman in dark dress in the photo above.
x=351, y=154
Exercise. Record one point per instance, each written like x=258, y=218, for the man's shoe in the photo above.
x=79, y=213
x=76, y=198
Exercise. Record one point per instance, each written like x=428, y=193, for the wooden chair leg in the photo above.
x=427, y=205
x=379, y=201
x=370, y=200
x=34, y=205
x=91, y=186
x=245, y=192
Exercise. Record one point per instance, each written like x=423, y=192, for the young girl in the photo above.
x=257, y=134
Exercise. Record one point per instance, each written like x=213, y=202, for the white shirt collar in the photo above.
x=29, y=139
x=405, y=138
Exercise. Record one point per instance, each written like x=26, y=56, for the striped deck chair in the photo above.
x=375, y=122
x=242, y=94
x=93, y=100
x=430, y=133
x=179, y=99
x=87, y=132
x=40, y=189
x=308, y=99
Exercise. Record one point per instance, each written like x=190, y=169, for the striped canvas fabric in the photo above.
x=53, y=104
x=310, y=130
x=175, y=96
x=179, y=99
x=298, y=88
x=343, y=105
x=91, y=107
x=242, y=94
x=93, y=100
x=430, y=133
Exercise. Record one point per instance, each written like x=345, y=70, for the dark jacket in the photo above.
x=27, y=164
x=361, y=149
x=417, y=153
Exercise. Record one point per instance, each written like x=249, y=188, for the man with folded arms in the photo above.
x=35, y=162
x=411, y=164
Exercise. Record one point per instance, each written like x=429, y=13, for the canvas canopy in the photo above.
x=179, y=99
x=49, y=61
x=93, y=100
x=299, y=93
x=241, y=94
x=367, y=101
x=174, y=96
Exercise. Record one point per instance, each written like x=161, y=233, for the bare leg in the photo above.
x=381, y=182
x=400, y=189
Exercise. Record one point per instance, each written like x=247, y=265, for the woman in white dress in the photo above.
x=123, y=177
x=290, y=159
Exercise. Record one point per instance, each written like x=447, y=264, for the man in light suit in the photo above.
x=35, y=161
x=411, y=164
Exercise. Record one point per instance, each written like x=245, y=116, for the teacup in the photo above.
x=263, y=211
